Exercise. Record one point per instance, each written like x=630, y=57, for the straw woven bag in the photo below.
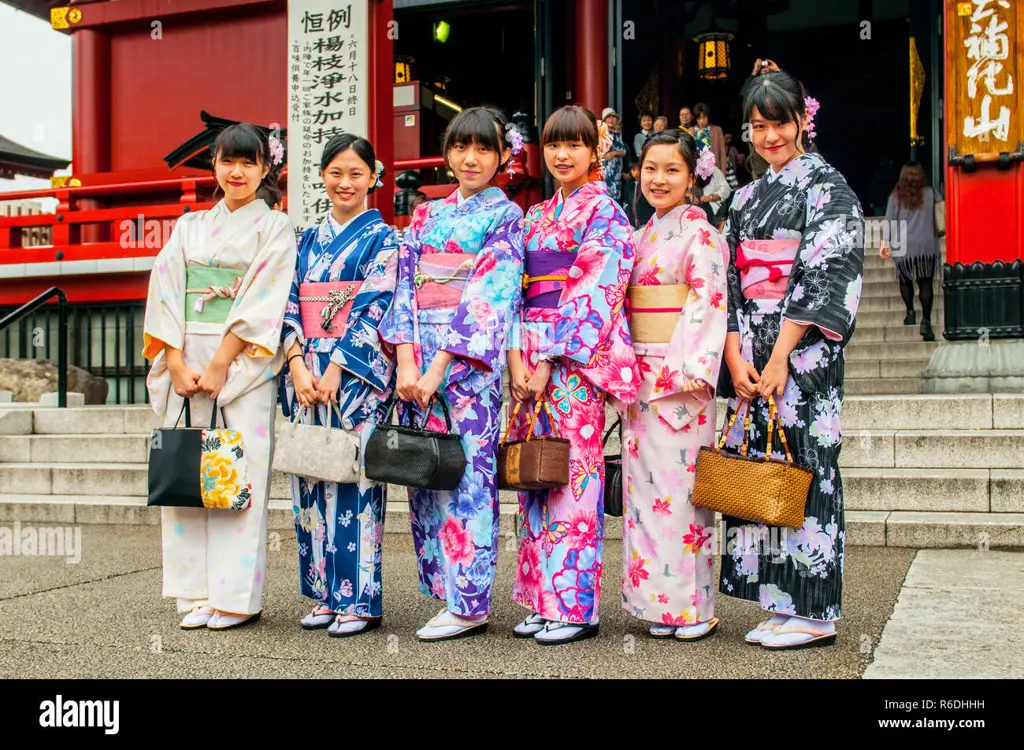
x=763, y=490
x=533, y=463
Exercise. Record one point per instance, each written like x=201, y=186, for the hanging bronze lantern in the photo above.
x=713, y=59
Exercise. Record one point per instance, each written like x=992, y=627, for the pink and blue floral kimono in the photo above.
x=796, y=241
x=459, y=277
x=577, y=321
x=339, y=527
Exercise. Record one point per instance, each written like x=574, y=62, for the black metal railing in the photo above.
x=30, y=308
x=103, y=339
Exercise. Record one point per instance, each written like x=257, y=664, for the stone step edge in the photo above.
x=915, y=529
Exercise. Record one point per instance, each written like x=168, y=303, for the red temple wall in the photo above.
x=207, y=65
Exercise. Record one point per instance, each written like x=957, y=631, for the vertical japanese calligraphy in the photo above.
x=984, y=116
x=328, y=46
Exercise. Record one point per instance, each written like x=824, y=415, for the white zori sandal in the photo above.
x=800, y=632
x=447, y=626
x=197, y=618
x=346, y=625
x=320, y=617
x=529, y=627
x=764, y=629
x=556, y=633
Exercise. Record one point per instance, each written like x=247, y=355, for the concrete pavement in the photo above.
x=103, y=617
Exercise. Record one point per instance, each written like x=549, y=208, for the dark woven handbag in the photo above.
x=534, y=463
x=613, y=476
x=415, y=456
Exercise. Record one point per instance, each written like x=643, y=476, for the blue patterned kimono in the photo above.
x=339, y=527
x=456, y=533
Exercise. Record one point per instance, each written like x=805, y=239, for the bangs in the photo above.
x=571, y=123
x=473, y=127
x=239, y=142
x=772, y=101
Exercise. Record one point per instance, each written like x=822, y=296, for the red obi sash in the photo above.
x=764, y=267
x=325, y=306
x=441, y=278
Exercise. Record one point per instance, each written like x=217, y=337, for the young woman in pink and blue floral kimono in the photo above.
x=460, y=270
x=796, y=239
x=571, y=347
x=678, y=309
x=339, y=375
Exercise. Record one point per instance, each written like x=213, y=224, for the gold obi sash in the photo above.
x=654, y=311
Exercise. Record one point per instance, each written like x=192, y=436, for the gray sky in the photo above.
x=35, y=89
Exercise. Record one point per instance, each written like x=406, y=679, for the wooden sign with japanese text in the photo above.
x=328, y=78
x=983, y=76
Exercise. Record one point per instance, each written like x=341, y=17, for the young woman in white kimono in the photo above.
x=678, y=308
x=217, y=298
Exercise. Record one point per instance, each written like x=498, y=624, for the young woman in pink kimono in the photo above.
x=570, y=347
x=678, y=308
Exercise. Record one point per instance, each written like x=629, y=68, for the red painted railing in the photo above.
x=121, y=222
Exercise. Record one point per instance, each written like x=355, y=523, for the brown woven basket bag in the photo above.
x=534, y=463
x=762, y=490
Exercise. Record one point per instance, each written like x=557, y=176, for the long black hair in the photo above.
x=245, y=141
x=483, y=126
x=779, y=97
x=363, y=148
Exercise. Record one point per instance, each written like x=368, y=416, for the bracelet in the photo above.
x=289, y=361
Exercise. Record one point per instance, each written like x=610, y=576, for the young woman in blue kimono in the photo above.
x=460, y=270
x=337, y=371
x=796, y=238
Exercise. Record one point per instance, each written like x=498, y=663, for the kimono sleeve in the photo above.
x=732, y=237
x=698, y=342
x=291, y=330
x=479, y=331
x=825, y=283
x=164, y=323
x=257, y=315
x=360, y=350
x=399, y=323
x=594, y=294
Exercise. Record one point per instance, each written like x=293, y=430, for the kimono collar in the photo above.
x=586, y=192
x=679, y=214
x=255, y=209
x=330, y=229
x=488, y=195
x=795, y=162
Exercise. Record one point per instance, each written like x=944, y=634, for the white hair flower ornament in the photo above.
x=379, y=167
x=706, y=163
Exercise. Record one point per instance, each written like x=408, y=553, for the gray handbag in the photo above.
x=319, y=453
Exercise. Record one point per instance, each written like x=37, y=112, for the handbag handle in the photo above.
x=426, y=413
x=303, y=409
x=773, y=419
x=533, y=420
x=618, y=423
x=186, y=409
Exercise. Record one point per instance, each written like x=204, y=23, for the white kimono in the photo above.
x=217, y=558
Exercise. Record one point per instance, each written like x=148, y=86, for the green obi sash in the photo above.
x=198, y=280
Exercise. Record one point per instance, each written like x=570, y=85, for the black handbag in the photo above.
x=176, y=465
x=613, y=476
x=414, y=456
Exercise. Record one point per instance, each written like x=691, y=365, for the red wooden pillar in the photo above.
x=90, y=139
x=592, y=55
x=382, y=30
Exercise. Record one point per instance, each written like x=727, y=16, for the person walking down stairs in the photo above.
x=912, y=241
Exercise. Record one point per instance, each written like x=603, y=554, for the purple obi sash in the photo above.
x=546, y=274
x=764, y=267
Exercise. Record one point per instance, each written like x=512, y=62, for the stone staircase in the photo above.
x=884, y=356
x=918, y=471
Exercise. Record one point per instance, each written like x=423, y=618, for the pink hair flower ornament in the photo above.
x=514, y=138
x=706, y=163
x=276, y=150
x=812, y=107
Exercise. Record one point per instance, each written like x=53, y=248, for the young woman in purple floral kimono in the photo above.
x=796, y=259
x=459, y=277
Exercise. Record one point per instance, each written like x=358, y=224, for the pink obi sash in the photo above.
x=441, y=278
x=324, y=307
x=764, y=267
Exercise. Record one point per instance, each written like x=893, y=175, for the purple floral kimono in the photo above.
x=459, y=285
